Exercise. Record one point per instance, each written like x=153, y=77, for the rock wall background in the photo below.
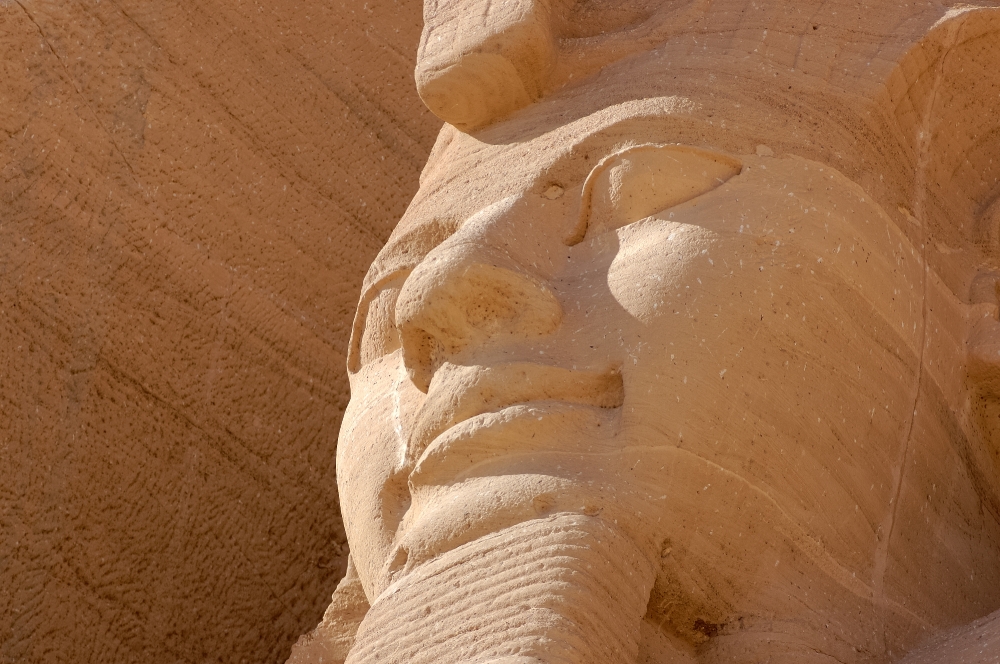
x=190, y=193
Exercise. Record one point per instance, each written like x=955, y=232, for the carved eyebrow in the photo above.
x=678, y=185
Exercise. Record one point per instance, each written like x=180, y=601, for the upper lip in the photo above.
x=458, y=393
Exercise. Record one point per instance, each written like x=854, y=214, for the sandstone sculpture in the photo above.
x=687, y=349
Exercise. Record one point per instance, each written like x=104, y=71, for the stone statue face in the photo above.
x=675, y=318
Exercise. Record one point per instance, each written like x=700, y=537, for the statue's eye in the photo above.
x=380, y=336
x=640, y=181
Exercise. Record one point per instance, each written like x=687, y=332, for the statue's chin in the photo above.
x=567, y=587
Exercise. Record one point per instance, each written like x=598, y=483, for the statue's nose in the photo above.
x=471, y=291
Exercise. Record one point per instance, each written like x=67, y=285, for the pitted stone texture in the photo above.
x=189, y=195
x=978, y=643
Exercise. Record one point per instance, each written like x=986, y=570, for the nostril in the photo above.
x=443, y=312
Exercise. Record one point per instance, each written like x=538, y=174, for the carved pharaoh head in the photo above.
x=686, y=348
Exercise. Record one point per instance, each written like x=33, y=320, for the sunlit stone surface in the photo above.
x=687, y=348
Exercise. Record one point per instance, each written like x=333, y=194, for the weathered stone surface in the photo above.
x=977, y=643
x=189, y=195
x=687, y=349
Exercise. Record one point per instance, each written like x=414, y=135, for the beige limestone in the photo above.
x=190, y=193
x=687, y=349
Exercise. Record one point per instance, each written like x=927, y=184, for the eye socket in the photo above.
x=640, y=181
x=375, y=334
x=380, y=336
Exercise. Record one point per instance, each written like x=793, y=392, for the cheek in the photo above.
x=660, y=267
x=371, y=472
x=682, y=326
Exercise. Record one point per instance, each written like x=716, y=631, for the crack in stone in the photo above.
x=918, y=206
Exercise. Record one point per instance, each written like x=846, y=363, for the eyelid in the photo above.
x=674, y=178
x=361, y=316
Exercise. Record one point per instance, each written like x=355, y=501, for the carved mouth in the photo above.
x=528, y=438
x=460, y=393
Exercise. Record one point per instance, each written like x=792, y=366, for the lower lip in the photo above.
x=496, y=443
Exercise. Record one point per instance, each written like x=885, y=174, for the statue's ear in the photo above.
x=945, y=99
